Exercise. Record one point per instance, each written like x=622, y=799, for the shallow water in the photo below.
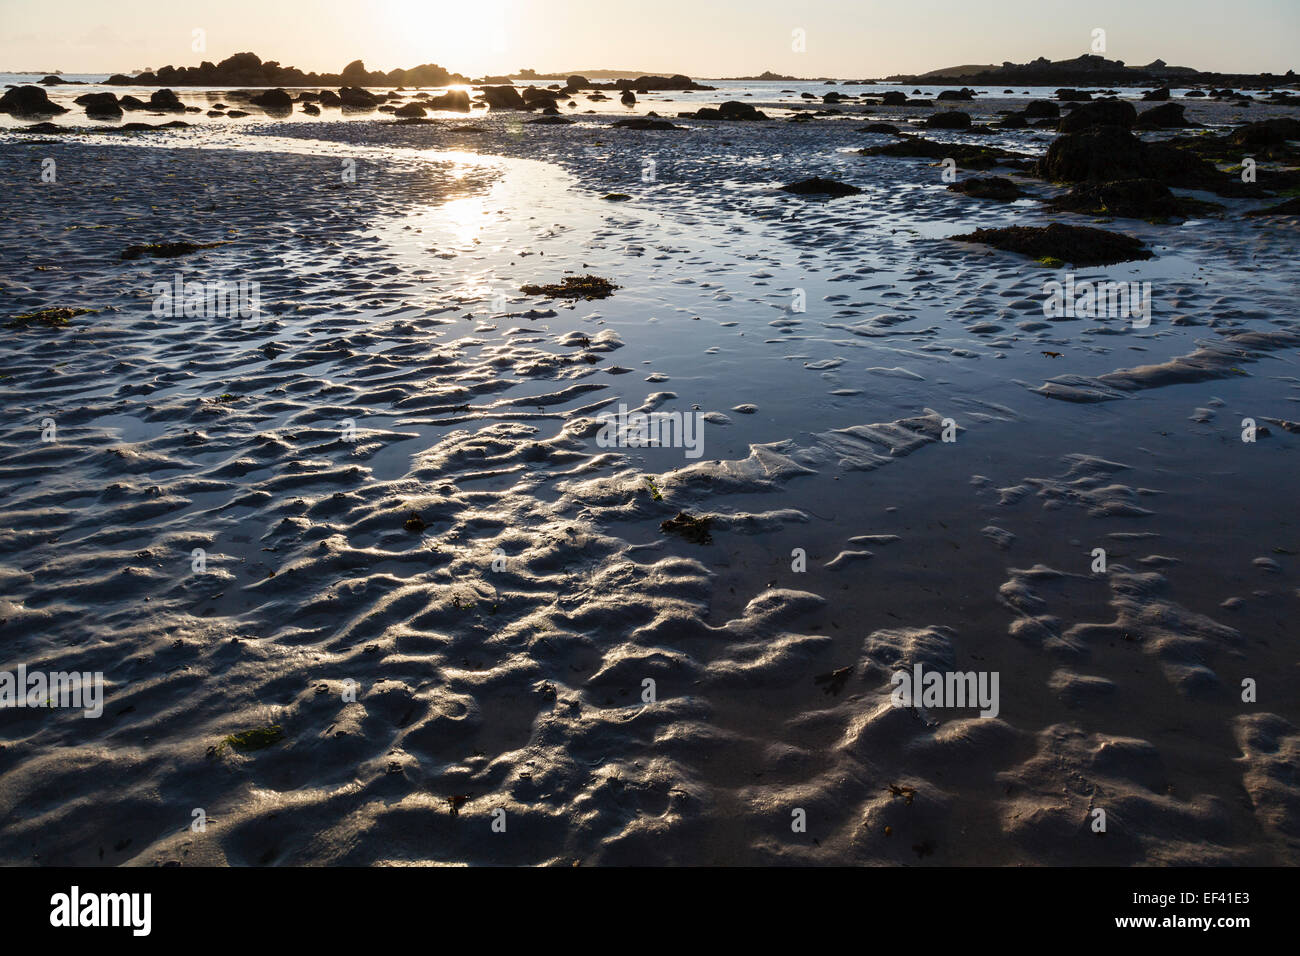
x=394, y=302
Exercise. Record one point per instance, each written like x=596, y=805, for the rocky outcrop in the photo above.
x=732, y=111
x=273, y=100
x=353, y=97
x=28, y=101
x=503, y=98
x=949, y=119
x=1168, y=116
x=1099, y=113
x=166, y=101
x=100, y=105
x=457, y=100
x=247, y=69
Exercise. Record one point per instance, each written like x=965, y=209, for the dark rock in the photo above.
x=166, y=101
x=130, y=102
x=1072, y=95
x=1101, y=154
x=821, y=187
x=354, y=97
x=410, y=109
x=628, y=98
x=329, y=98
x=1168, y=116
x=1040, y=109
x=950, y=119
x=454, y=100
x=1080, y=245
x=503, y=98
x=1099, y=113
x=894, y=98
x=992, y=187
x=577, y=82
x=888, y=128
x=645, y=122
x=28, y=101
x=1157, y=96
x=100, y=104
x=1013, y=121
x=274, y=100
x=962, y=94
x=1127, y=199
x=1290, y=207
x=1272, y=132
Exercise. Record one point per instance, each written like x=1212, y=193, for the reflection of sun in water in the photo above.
x=442, y=32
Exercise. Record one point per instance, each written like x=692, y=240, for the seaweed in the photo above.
x=694, y=529
x=586, y=287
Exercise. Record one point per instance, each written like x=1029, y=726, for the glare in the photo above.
x=461, y=38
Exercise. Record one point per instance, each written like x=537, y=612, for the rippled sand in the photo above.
x=500, y=651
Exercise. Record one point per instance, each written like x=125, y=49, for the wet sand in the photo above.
x=499, y=653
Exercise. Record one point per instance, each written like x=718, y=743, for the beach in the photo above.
x=365, y=588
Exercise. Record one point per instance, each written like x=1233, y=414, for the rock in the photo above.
x=52, y=80
x=577, y=82
x=130, y=102
x=1101, y=154
x=1072, y=95
x=820, y=187
x=354, y=97
x=235, y=114
x=503, y=98
x=1013, y=121
x=1289, y=208
x=554, y=121
x=28, y=101
x=274, y=100
x=1080, y=245
x=456, y=100
x=991, y=187
x=645, y=122
x=887, y=128
x=166, y=101
x=962, y=94
x=311, y=109
x=100, y=104
x=1042, y=109
x=1099, y=113
x=950, y=119
x=628, y=98
x=1127, y=199
x=1178, y=167
x=1273, y=132
x=732, y=111
x=894, y=98
x=1168, y=116
x=1158, y=95
x=410, y=109
x=329, y=98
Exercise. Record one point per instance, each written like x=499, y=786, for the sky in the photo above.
x=842, y=38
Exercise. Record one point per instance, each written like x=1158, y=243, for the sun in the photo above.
x=473, y=39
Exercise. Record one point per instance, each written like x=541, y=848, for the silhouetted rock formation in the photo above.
x=247, y=69
x=28, y=101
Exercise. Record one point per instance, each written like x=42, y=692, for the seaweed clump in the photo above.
x=586, y=287
x=694, y=529
x=1081, y=245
